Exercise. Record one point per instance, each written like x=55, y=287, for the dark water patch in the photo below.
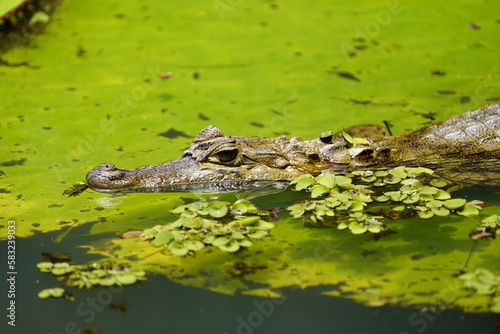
x=173, y=133
x=257, y=124
x=465, y=99
x=203, y=117
x=14, y=162
x=346, y=75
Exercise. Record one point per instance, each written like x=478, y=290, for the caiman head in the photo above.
x=214, y=163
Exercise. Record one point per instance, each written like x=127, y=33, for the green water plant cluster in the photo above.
x=360, y=201
x=52, y=292
x=484, y=282
x=489, y=227
x=227, y=226
x=88, y=275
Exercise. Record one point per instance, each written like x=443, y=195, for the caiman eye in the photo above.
x=227, y=156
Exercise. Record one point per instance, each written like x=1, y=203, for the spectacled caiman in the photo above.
x=464, y=149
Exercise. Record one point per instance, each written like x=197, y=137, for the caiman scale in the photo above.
x=464, y=149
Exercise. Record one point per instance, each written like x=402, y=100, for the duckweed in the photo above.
x=227, y=226
x=360, y=201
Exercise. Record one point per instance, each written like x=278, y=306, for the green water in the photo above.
x=89, y=89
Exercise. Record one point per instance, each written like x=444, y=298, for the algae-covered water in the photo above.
x=132, y=82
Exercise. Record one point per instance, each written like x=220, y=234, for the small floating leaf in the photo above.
x=442, y=194
x=468, y=210
x=230, y=247
x=108, y=281
x=220, y=241
x=318, y=190
x=439, y=183
x=52, y=292
x=217, y=209
x=398, y=172
x=357, y=228
x=245, y=243
x=327, y=180
x=350, y=141
x=454, y=203
x=162, y=238
x=303, y=182
x=126, y=279
x=177, y=247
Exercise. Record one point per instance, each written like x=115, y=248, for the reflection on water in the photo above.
x=161, y=306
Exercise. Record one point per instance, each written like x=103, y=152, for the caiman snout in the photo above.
x=108, y=176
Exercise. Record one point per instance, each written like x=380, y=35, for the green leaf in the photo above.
x=230, y=247
x=303, y=182
x=442, y=194
x=327, y=180
x=468, y=210
x=492, y=220
x=178, y=248
x=108, y=281
x=245, y=243
x=428, y=190
x=162, y=238
x=257, y=234
x=454, y=203
x=194, y=223
x=217, y=209
x=425, y=214
x=358, y=229
x=350, y=141
x=440, y=211
x=318, y=190
x=439, y=183
x=343, y=181
x=221, y=241
x=194, y=245
x=52, y=292
x=126, y=279
x=399, y=172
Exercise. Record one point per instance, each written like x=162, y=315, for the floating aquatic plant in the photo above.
x=489, y=227
x=92, y=274
x=227, y=226
x=360, y=202
x=485, y=283
x=52, y=292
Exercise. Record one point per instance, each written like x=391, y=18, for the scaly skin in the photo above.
x=464, y=149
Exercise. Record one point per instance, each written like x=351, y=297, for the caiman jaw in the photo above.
x=106, y=177
x=184, y=174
